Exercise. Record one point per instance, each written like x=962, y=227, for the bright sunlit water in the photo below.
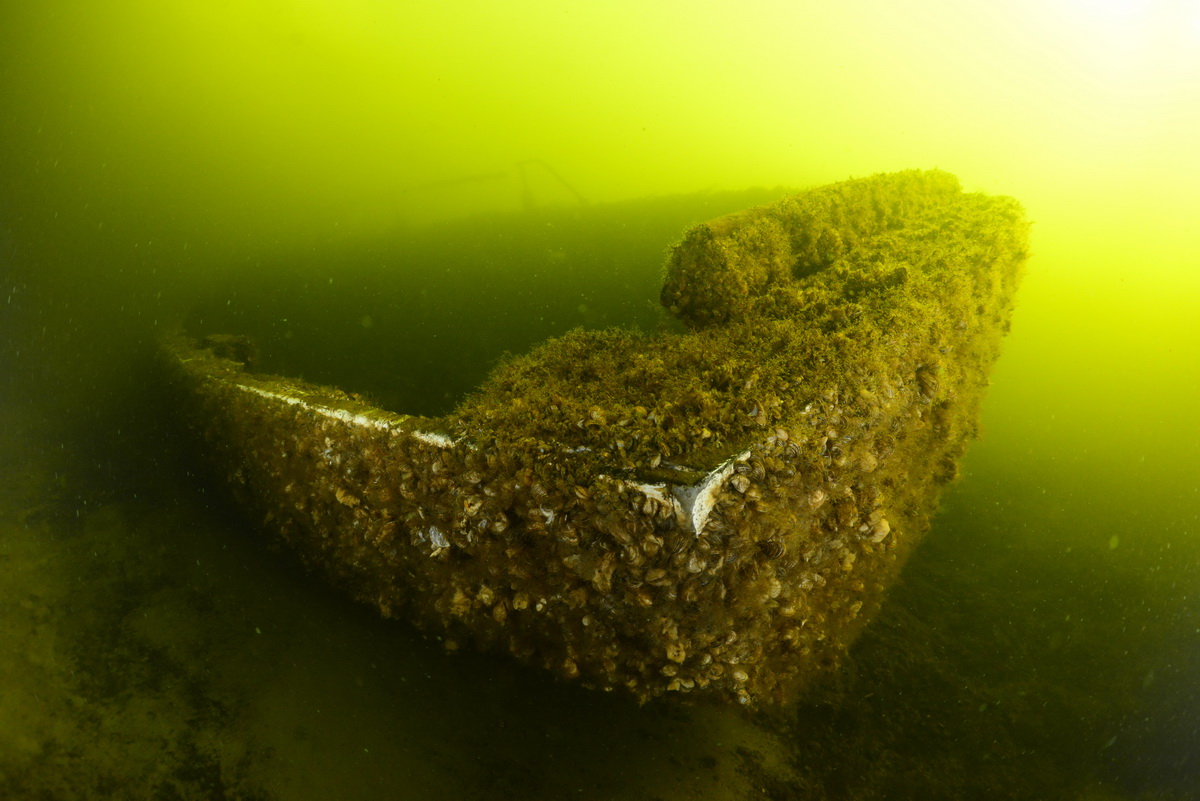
x=390, y=195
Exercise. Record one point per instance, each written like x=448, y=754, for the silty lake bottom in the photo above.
x=1044, y=641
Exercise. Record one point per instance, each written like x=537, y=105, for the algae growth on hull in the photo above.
x=714, y=512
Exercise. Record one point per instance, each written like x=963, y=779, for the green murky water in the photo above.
x=299, y=173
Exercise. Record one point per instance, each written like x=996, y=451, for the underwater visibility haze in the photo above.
x=397, y=199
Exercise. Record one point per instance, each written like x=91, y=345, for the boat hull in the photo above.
x=717, y=512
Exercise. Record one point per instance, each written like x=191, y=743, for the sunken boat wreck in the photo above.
x=715, y=512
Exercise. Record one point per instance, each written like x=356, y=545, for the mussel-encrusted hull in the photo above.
x=713, y=512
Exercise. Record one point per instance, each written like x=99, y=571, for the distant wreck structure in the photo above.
x=716, y=512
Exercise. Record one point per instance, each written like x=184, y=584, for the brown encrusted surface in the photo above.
x=833, y=376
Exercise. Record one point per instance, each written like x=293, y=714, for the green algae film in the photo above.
x=273, y=164
x=848, y=397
